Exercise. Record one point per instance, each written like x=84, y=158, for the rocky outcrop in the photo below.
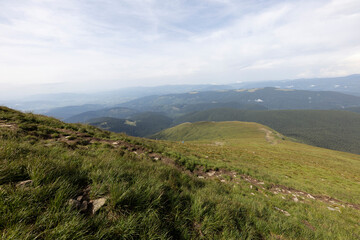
x=85, y=205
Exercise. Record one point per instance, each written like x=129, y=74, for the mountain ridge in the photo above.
x=271, y=98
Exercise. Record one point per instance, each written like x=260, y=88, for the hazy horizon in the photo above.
x=81, y=46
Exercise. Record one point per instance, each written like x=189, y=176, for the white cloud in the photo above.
x=111, y=44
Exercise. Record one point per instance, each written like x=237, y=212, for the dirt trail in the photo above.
x=269, y=136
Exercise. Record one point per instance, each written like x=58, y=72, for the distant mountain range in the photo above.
x=172, y=110
x=349, y=84
x=174, y=105
x=42, y=103
x=118, y=112
x=45, y=102
x=271, y=98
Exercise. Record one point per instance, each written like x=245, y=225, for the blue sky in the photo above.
x=88, y=45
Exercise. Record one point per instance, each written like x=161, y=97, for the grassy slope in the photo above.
x=211, y=130
x=338, y=130
x=244, y=146
x=147, y=198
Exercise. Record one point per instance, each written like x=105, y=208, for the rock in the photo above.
x=222, y=180
x=283, y=211
x=6, y=125
x=310, y=196
x=334, y=209
x=25, y=183
x=74, y=203
x=97, y=204
x=200, y=176
x=80, y=198
x=210, y=174
x=156, y=158
x=295, y=199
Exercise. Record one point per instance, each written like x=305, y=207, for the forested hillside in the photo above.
x=271, y=98
x=140, y=125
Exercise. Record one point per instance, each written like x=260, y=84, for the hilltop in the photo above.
x=218, y=131
x=338, y=130
x=60, y=180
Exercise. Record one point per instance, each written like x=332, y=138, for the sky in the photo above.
x=49, y=46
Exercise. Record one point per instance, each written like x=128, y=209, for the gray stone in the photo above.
x=334, y=209
x=283, y=211
x=310, y=196
x=97, y=204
